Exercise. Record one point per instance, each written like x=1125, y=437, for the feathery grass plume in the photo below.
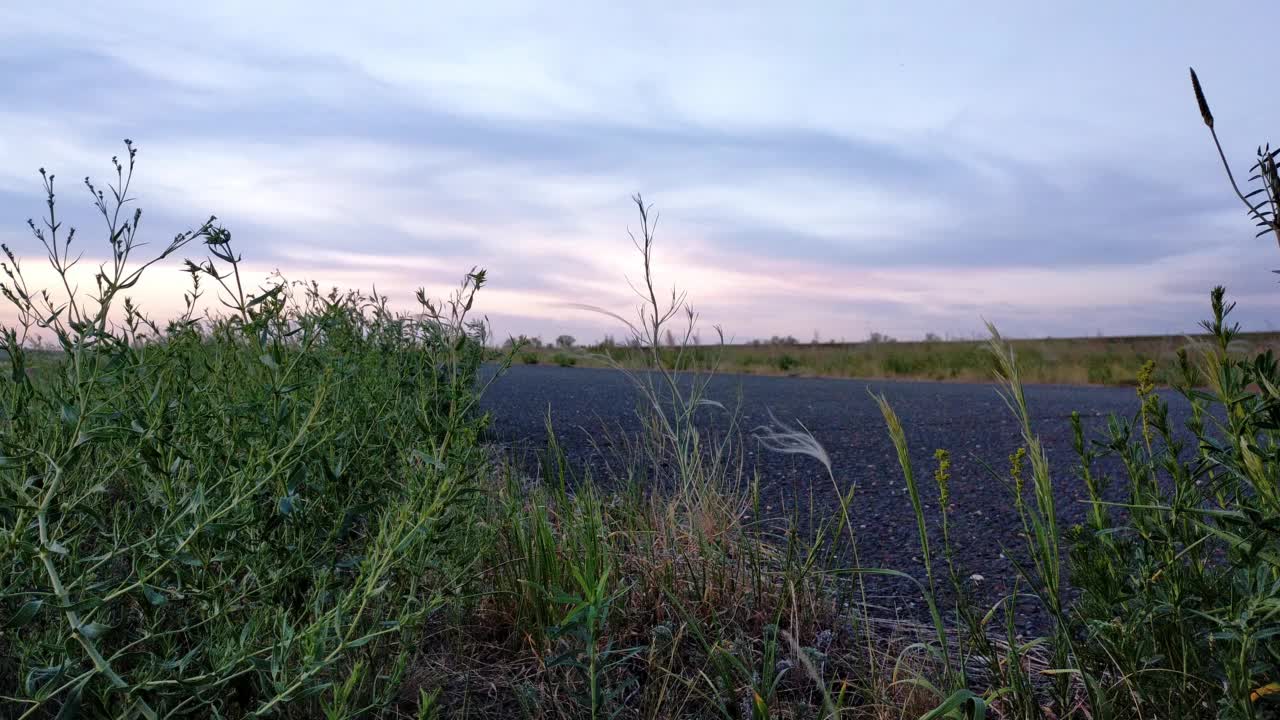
x=782, y=438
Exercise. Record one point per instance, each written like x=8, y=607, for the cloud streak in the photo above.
x=849, y=171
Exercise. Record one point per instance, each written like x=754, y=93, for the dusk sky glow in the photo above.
x=833, y=167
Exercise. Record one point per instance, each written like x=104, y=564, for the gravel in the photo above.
x=589, y=406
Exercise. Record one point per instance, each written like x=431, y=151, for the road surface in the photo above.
x=591, y=409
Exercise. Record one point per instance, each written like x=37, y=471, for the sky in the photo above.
x=824, y=169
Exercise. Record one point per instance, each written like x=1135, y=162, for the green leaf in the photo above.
x=24, y=614
x=153, y=596
x=266, y=296
x=362, y=641
x=957, y=701
x=313, y=690
x=84, y=604
x=71, y=705
x=428, y=460
x=95, y=630
x=567, y=660
x=42, y=676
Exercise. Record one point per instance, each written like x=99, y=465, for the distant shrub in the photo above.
x=1031, y=360
x=968, y=357
x=523, y=341
x=903, y=363
x=787, y=363
x=565, y=360
x=1098, y=369
x=529, y=358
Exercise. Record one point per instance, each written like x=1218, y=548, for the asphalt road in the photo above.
x=588, y=407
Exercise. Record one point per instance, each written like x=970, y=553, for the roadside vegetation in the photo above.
x=286, y=510
x=1068, y=361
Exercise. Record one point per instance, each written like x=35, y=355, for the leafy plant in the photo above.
x=244, y=514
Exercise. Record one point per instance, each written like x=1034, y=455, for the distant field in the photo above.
x=1075, y=361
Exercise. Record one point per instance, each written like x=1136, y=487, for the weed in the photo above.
x=241, y=515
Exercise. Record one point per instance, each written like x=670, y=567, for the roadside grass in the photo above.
x=1067, y=361
x=286, y=511
x=639, y=605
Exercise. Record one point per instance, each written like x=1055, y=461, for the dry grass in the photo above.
x=709, y=614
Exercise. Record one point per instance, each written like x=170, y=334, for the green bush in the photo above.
x=529, y=358
x=1098, y=370
x=565, y=360
x=787, y=363
x=902, y=364
x=1180, y=585
x=250, y=514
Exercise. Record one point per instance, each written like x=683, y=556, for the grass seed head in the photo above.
x=1015, y=470
x=1204, y=104
x=942, y=475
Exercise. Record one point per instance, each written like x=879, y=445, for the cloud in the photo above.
x=848, y=170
